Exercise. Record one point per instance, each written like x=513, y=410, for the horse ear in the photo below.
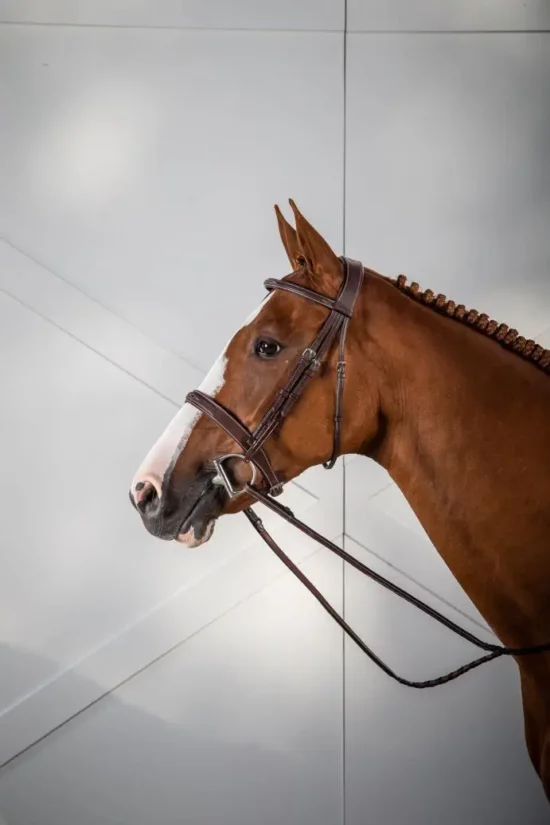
x=323, y=264
x=290, y=240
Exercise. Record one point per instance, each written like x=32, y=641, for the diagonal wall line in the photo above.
x=88, y=346
x=127, y=679
x=543, y=338
x=417, y=583
x=101, y=352
x=98, y=303
x=99, y=329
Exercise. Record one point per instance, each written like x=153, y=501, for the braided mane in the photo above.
x=506, y=337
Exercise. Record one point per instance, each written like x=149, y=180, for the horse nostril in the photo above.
x=146, y=497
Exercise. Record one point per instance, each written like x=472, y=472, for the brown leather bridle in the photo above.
x=251, y=443
x=253, y=453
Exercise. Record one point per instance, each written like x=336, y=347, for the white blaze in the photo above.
x=164, y=454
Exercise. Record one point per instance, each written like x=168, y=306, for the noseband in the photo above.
x=253, y=453
x=251, y=443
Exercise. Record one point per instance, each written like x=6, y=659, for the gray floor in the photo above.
x=141, y=150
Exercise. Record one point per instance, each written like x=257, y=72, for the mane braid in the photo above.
x=506, y=337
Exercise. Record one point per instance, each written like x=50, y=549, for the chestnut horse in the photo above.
x=460, y=422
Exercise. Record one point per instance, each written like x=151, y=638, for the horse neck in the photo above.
x=467, y=440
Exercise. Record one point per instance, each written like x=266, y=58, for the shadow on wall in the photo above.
x=118, y=764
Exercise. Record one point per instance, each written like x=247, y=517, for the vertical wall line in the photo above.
x=344, y=164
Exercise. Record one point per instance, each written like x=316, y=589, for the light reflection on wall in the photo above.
x=91, y=148
x=270, y=649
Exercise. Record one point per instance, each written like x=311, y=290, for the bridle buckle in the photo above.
x=310, y=356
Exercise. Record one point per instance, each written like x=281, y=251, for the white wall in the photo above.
x=141, y=150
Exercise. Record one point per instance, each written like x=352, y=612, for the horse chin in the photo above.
x=204, y=534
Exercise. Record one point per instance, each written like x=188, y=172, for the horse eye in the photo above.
x=266, y=349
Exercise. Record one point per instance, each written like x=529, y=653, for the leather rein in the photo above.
x=271, y=485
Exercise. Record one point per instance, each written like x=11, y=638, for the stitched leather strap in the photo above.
x=492, y=651
x=354, y=271
x=310, y=294
x=236, y=430
x=347, y=298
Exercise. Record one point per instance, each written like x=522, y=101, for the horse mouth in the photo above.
x=198, y=525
